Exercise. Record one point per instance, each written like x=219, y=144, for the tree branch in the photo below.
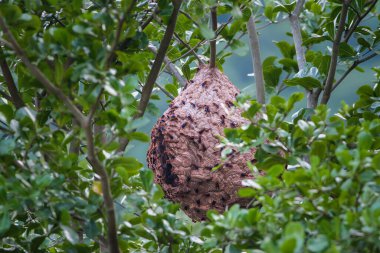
x=335, y=53
x=189, y=17
x=15, y=97
x=214, y=24
x=170, y=67
x=153, y=74
x=178, y=38
x=358, y=20
x=155, y=70
x=87, y=127
x=256, y=59
x=300, y=50
x=165, y=91
x=219, y=30
x=106, y=189
x=188, y=47
x=351, y=68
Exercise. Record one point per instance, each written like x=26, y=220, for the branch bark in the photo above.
x=155, y=70
x=256, y=59
x=214, y=24
x=86, y=124
x=335, y=53
x=300, y=50
x=11, y=85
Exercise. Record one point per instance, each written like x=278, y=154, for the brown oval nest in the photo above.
x=184, y=147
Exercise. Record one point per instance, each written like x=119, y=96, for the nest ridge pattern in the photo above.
x=184, y=147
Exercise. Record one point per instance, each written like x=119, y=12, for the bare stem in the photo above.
x=335, y=53
x=214, y=24
x=256, y=59
x=165, y=91
x=170, y=67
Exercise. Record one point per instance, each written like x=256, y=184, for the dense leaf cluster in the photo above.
x=320, y=191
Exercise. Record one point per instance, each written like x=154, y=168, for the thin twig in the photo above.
x=95, y=106
x=358, y=20
x=189, y=17
x=178, y=38
x=335, y=53
x=220, y=29
x=149, y=19
x=214, y=25
x=351, y=68
x=170, y=67
x=256, y=59
x=188, y=47
x=165, y=91
x=228, y=44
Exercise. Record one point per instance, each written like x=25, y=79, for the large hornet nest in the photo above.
x=184, y=147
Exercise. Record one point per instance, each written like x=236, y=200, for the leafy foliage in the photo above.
x=320, y=190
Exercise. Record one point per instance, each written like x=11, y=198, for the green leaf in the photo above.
x=207, y=32
x=272, y=76
x=268, y=12
x=129, y=163
x=139, y=136
x=5, y=222
x=365, y=140
x=10, y=12
x=70, y=234
x=7, y=146
x=288, y=245
x=314, y=39
x=232, y=249
x=318, y=243
x=6, y=113
x=306, y=82
x=172, y=89
x=247, y=192
x=319, y=148
x=146, y=176
x=186, y=71
x=287, y=50
x=345, y=50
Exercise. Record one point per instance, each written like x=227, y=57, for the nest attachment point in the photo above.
x=184, y=147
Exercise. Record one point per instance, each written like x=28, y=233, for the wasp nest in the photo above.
x=184, y=147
